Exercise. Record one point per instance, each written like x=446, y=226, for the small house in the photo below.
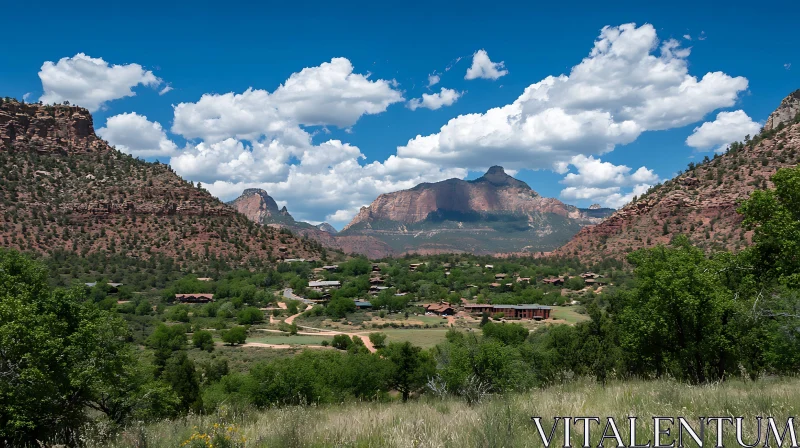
x=555, y=281
x=361, y=304
x=440, y=309
x=414, y=266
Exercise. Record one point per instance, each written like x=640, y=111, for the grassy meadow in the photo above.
x=496, y=422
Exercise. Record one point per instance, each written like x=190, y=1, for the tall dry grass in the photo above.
x=502, y=421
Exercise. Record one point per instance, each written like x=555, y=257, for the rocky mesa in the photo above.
x=66, y=189
x=491, y=214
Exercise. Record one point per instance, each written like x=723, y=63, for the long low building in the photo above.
x=194, y=298
x=537, y=312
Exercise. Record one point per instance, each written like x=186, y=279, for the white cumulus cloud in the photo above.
x=330, y=94
x=134, y=134
x=483, y=67
x=433, y=80
x=604, y=182
x=257, y=139
x=595, y=172
x=728, y=127
x=327, y=184
x=433, y=101
x=628, y=84
x=91, y=82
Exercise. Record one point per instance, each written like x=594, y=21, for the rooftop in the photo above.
x=321, y=284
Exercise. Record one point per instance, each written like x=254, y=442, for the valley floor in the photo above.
x=496, y=422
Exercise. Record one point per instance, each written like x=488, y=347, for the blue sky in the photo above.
x=324, y=156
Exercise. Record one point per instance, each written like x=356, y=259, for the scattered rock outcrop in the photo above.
x=786, y=113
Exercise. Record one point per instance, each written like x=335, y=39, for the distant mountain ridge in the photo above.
x=702, y=201
x=491, y=214
x=258, y=206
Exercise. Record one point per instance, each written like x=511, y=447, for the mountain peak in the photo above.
x=269, y=204
x=497, y=176
x=325, y=227
x=252, y=191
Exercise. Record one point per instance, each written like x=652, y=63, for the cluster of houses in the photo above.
x=324, y=286
x=589, y=278
x=376, y=281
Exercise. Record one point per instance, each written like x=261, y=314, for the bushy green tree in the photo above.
x=203, y=340
x=575, y=283
x=59, y=354
x=774, y=216
x=338, y=308
x=235, y=335
x=165, y=340
x=466, y=358
x=180, y=374
x=378, y=340
x=509, y=334
x=249, y=316
x=341, y=342
x=679, y=319
x=411, y=367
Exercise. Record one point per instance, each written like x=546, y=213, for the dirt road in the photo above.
x=291, y=318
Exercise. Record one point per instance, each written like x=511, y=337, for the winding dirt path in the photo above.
x=291, y=318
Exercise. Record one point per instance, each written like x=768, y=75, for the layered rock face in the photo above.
x=494, y=192
x=495, y=213
x=256, y=204
x=701, y=202
x=58, y=171
x=60, y=129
